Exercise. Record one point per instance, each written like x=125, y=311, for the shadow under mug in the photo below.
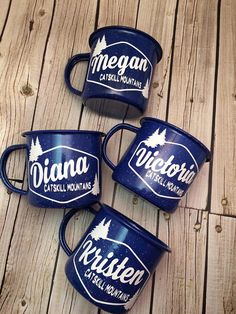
x=161, y=162
x=64, y=167
x=113, y=261
x=121, y=66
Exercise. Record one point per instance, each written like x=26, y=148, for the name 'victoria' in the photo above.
x=150, y=160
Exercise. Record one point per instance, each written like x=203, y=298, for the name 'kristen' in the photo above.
x=109, y=266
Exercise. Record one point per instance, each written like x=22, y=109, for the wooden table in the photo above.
x=194, y=87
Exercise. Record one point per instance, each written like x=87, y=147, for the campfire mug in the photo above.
x=161, y=162
x=121, y=66
x=63, y=167
x=113, y=261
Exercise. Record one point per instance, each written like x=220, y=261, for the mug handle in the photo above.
x=116, y=128
x=69, y=67
x=62, y=229
x=3, y=163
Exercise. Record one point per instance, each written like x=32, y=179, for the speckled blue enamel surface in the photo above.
x=56, y=177
x=167, y=168
x=122, y=67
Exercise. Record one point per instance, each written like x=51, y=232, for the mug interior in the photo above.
x=181, y=131
x=129, y=30
x=130, y=224
x=36, y=132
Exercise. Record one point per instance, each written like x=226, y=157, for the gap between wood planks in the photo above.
x=6, y=18
x=166, y=117
x=212, y=151
x=214, y=106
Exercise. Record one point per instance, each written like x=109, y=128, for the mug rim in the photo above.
x=129, y=223
x=62, y=132
x=158, y=49
x=183, y=132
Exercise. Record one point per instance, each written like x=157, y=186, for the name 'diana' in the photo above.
x=57, y=172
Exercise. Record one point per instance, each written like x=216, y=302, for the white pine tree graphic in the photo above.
x=35, y=150
x=156, y=139
x=146, y=89
x=103, y=42
x=97, y=50
x=32, y=152
x=101, y=230
x=100, y=45
x=95, y=189
x=38, y=147
x=131, y=301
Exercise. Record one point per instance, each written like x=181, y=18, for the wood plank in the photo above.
x=224, y=161
x=59, y=108
x=30, y=262
x=116, y=12
x=34, y=243
x=20, y=68
x=192, y=82
x=221, y=271
x=179, y=279
x=160, y=25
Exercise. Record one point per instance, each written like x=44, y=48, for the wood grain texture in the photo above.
x=221, y=272
x=21, y=54
x=57, y=107
x=192, y=82
x=30, y=261
x=160, y=24
x=224, y=161
x=179, y=278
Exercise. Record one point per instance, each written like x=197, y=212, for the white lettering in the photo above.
x=149, y=160
x=109, y=267
x=57, y=172
x=122, y=63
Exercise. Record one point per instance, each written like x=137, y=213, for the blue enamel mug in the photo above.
x=161, y=162
x=113, y=261
x=121, y=66
x=64, y=167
